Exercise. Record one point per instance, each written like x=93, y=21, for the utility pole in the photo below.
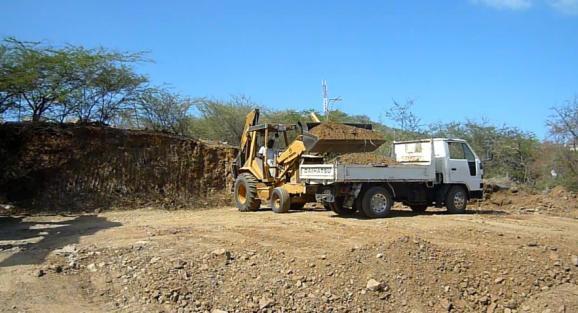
x=326, y=100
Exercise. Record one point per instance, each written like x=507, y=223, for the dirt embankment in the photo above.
x=70, y=167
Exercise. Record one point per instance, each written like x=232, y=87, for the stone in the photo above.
x=446, y=304
x=218, y=311
x=39, y=273
x=222, y=252
x=91, y=267
x=574, y=259
x=374, y=285
x=499, y=280
x=265, y=302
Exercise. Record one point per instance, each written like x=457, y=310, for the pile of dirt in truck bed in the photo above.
x=364, y=159
x=70, y=167
x=336, y=131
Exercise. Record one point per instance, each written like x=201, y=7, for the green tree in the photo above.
x=162, y=110
x=221, y=120
x=34, y=78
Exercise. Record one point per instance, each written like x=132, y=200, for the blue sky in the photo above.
x=505, y=60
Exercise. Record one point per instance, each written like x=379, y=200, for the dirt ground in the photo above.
x=221, y=260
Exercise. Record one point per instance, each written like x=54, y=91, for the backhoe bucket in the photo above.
x=342, y=142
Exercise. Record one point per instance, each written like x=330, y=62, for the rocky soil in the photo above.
x=495, y=259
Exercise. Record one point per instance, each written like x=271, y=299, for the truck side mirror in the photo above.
x=489, y=157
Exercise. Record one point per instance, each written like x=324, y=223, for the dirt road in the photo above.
x=304, y=261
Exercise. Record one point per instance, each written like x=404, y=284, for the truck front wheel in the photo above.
x=457, y=200
x=376, y=202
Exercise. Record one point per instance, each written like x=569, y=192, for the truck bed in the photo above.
x=339, y=173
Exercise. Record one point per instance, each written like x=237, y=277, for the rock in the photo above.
x=222, y=252
x=446, y=304
x=39, y=273
x=154, y=259
x=492, y=308
x=179, y=264
x=374, y=285
x=379, y=256
x=91, y=267
x=532, y=244
x=499, y=280
x=265, y=302
x=218, y=311
x=68, y=249
x=574, y=260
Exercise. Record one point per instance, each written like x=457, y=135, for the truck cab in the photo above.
x=455, y=162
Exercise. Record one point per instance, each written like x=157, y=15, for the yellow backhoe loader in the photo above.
x=266, y=169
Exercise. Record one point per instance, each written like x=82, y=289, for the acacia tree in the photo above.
x=162, y=110
x=34, y=78
x=57, y=83
x=103, y=84
x=563, y=128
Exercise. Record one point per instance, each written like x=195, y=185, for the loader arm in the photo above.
x=251, y=120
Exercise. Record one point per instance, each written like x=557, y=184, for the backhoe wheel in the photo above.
x=418, y=208
x=457, y=200
x=246, y=193
x=280, y=201
x=376, y=202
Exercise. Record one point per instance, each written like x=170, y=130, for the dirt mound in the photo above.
x=70, y=167
x=336, y=131
x=364, y=159
x=557, y=201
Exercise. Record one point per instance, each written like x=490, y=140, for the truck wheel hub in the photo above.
x=459, y=199
x=378, y=203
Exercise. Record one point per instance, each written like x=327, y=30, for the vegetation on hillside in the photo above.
x=39, y=82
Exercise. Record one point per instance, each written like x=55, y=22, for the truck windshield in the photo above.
x=460, y=151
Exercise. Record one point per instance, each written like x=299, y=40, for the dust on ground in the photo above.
x=492, y=259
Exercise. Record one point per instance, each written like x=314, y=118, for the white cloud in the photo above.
x=565, y=6
x=508, y=4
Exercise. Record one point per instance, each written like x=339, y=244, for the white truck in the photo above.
x=433, y=172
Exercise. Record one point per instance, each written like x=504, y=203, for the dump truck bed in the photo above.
x=341, y=173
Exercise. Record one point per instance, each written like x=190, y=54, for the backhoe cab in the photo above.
x=266, y=167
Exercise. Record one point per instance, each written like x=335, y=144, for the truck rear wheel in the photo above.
x=376, y=202
x=280, y=201
x=246, y=193
x=457, y=200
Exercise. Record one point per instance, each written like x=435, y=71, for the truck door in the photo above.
x=462, y=165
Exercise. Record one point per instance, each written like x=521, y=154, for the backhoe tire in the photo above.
x=280, y=200
x=457, y=200
x=245, y=193
x=418, y=208
x=376, y=202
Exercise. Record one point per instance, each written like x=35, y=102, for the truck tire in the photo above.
x=457, y=200
x=280, y=201
x=245, y=193
x=376, y=202
x=418, y=208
